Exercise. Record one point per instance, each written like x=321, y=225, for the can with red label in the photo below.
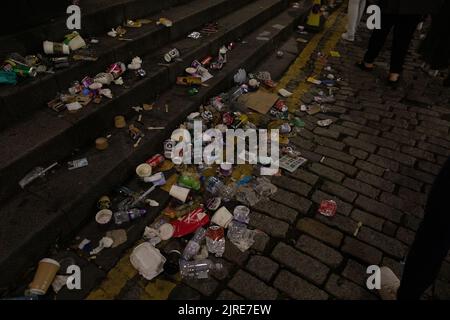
x=116, y=69
x=156, y=160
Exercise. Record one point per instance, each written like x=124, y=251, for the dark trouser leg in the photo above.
x=432, y=241
x=403, y=33
x=378, y=38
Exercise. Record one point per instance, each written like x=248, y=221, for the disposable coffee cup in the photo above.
x=76, y=43
x=222, y=217
x=103, y=217
x=56, y=48
x=144, y=170
x=44, y=276
x=179, y=193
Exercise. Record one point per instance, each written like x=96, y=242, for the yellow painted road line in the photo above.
x=332, y=30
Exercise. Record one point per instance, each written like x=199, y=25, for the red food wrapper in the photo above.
x=328, y=208
x=190, y=223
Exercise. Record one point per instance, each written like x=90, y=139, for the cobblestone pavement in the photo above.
x=377, y=161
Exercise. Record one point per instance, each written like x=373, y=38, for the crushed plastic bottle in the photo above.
x=193, y=246
x=128, y=215
x=198, y=269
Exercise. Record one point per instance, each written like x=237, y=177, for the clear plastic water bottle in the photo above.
x=214, y=185
x=193, y=246
x=198, y=269
x=128, y=215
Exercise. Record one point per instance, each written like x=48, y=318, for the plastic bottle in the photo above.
x=193, y=246
x=198, y=269
x=128, y=215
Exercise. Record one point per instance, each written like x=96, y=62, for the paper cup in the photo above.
x=76, y=43
x=44, y=276
x=179, y=193
x=119, y=122
x=55, y=48
x=144, y=170
x=104, y=216
x=222, y=217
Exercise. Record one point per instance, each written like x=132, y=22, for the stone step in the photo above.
x=48, y=136
x=21, y=101
x=57, y=207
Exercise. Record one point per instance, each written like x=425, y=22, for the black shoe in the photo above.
x=363, y=66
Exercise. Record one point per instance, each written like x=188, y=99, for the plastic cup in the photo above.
x=44, y=276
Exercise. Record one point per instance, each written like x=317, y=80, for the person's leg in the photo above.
x=352, y=19
x=404, y=30
x=362, y=7
x=432, y=242
x=378, y=38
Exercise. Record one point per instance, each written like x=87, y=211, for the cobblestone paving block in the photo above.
x=356, y=272
x=370, y=167
x=322, y=141
x=229, y=295
x=339, y=222
x=361, y=187
x=406, y=236
x=387, y=244
x=418, y=153
x=368, y=219
x=390, y=229
x=292, y=185
x=273, y=227
x=346, y=290
x=251, y=287
x=428, y=167
x=327, y=133
x=341, y=166
x=375, y=181
x=204, y=286
x=417, y=174
x=263, y=267
x=305, y=176
x=297, y=288
x=404, y=181
x=412, y=196
x=327, y=172
x=399, y=203
x=397, y=156
x=292, y=200
x=184, y=292
x=233, y=254
x=339, y=190
x=360, y=154
x=338, y=155
x=399, y=138
x=360, y=128
x=386, y=163
x=342, y=206
x=300, y=263
x=361, y=251
x=276, y=210
x=320, y=231
x=411, y=222
x=344, y=130
x=261, y=240
x=317, y=249
x=378, y=208
x=360, y=144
